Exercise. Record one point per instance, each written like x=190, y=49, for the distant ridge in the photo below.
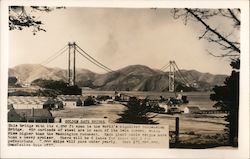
x=132, y=78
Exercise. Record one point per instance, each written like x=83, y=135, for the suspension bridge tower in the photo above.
x=171, y=76
x=72, y=64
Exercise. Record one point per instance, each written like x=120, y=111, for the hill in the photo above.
x=26, y=73
x=130, y=78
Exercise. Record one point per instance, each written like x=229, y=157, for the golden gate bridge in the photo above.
x=174, y=73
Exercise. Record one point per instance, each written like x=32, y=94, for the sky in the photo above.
x=117, y=38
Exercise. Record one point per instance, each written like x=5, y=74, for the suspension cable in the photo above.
x=94, y=59
x=98, y=65
x=55, y=57
x=181, y=73
x=48, y=60
x=55, y=54
x=165, y=67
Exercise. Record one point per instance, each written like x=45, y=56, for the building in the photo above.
x=27, y=102
x=30, y=115
x=191, y=109
x=151, y=98
x=110, y=101
x=165, y=106
x=65, y=97
x=72, y=103
x=124, y=97
x=13, y=116
x=58, y=105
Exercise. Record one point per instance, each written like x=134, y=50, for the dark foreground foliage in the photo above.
x=137, y=113
x=59, y=86
x=227, y=97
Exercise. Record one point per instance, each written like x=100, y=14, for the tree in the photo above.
x=58, y=86
x=137, y=113
x=12, y=81
x=89, y=101
x=227, y=96
x=21, y=17
x=226, y=41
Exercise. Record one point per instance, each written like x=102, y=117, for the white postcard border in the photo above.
x=87, y=152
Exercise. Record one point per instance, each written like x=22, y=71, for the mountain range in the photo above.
x=132, y=78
